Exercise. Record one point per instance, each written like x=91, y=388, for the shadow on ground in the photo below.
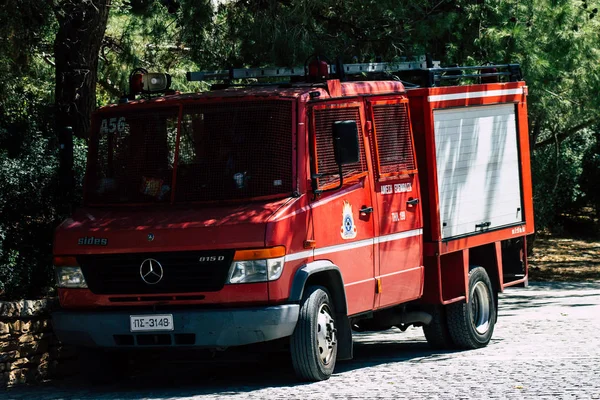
x=187, y=378
x=251, y=370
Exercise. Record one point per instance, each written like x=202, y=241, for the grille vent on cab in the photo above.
x=135, y=152
x=394, y=142
x=235, y=150
x=324, y=119
x=182, y=272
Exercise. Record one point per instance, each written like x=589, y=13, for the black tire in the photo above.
x=313, y=344
x=436, y=332
x=471, y=324
x=101, y=366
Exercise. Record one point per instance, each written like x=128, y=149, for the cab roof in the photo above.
x=327, y=90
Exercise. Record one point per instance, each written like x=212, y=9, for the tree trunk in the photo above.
x=82, y=24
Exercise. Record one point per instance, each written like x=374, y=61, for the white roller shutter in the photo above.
x=478, y=168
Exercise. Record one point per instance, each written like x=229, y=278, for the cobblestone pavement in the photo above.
x=546, y=345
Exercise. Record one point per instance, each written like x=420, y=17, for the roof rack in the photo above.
x=418, y=63
x=428, y=72
x=487, y=73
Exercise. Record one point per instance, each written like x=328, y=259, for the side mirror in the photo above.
x=345, y=142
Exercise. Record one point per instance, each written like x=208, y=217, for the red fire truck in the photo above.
x=344, y=200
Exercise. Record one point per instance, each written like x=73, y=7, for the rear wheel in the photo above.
x=436, y=332
x=313, y=344
x=471, y=324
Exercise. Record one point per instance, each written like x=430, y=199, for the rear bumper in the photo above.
x=201, y=328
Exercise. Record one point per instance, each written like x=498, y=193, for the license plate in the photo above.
x=163, y=322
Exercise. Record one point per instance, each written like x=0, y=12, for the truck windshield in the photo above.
x=216, y=152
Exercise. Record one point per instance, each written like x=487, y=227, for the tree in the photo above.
x=81, y=27
x=590, y=177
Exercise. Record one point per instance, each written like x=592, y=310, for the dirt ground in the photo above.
x=572, y=254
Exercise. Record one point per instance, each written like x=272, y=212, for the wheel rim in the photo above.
x=326, y=339
x=480, y=308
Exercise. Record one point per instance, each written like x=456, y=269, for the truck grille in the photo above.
x=199, y=271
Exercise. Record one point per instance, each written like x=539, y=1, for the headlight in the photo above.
x=67, y=274
x=248, y=271
x=70, y=277
x=253, y=266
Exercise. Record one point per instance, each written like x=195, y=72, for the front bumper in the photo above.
x=199, y=328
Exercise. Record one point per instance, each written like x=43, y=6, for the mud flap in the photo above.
x=344, y=334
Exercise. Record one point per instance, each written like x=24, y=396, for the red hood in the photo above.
x=129, y=230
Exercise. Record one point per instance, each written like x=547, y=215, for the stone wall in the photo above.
x=29, y=351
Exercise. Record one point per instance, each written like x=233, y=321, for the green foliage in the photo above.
x=25, y=36
x=27, y=164
x=557, y=179
x=287, y=32
x=143, y=34
x=29, y=206
x=27, y=214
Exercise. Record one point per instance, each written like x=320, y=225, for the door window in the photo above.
x=323, y=120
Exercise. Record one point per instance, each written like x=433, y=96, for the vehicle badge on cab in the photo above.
x=348, y=230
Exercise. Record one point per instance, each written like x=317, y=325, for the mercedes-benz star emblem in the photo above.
x=151, y=271
x=150, y=237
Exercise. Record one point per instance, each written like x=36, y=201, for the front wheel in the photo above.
x=313, y=344
x=471, y=324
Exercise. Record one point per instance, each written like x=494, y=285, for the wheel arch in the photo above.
x=456, y=266
x=486, y=256
x=325, y=273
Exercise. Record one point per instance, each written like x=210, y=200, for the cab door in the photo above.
x=397, y=199
x=343, y=218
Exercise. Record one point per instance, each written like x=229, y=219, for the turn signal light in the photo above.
x=258, y=254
